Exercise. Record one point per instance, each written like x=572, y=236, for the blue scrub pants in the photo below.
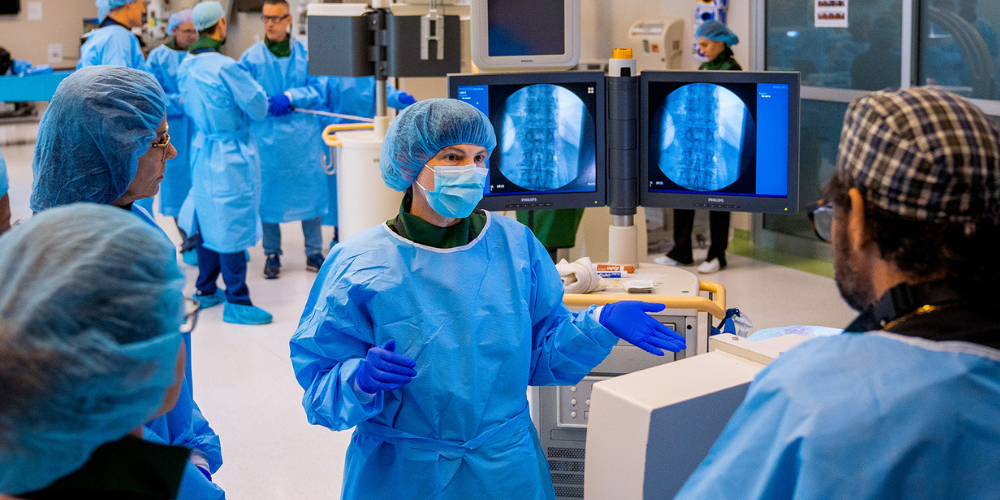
x=312, y=229
x=233, y=267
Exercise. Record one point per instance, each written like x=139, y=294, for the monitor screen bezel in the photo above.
x=722, y=202
x=536, y=201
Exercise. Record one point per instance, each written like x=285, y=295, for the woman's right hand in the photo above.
x=384, y=370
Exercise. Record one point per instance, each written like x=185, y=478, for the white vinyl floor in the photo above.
x=244, y=383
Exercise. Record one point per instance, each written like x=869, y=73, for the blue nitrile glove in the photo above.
x=279, y=105
x=384, y=370
x=405, y=98
x=628, y=320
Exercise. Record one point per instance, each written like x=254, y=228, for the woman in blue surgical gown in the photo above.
x=426, y=331
x=103, y=139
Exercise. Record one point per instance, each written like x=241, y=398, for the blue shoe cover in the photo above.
x=190, y=257
x=211, y=300
x=245, y=315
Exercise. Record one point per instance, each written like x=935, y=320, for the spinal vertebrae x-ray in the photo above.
x=703, y=126
x=544, y=145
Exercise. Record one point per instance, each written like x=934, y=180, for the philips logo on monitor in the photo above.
x=527, y=60
x=529, y=199
x=717, y=200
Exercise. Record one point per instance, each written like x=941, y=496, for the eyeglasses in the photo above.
x=162, y=144
x=821, y=218
x=191, y=309
x=275, y=19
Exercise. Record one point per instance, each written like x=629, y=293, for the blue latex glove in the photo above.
x=207, y=474
x=405, y=98
x=384, y=370
x=279, y=105
x=628, y=320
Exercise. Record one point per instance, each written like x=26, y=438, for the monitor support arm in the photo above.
x=623, y=157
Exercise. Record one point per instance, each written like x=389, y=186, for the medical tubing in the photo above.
x=622, y=141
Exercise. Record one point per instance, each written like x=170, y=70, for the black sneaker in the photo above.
x=272, y=268
x=314, y=262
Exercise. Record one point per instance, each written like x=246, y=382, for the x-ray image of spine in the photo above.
x=703, y=127
x=545, y=144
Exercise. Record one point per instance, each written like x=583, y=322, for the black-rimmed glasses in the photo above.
x=275, y=19
x=821, y=218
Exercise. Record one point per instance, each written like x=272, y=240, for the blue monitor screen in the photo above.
x=526, y=27
x=546, y=136
x=718, y=138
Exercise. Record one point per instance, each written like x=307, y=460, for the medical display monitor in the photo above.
x=550, y=137
x=516, y=34
x=720, y=140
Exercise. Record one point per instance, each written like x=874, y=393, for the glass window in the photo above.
x=864, y=56
x=960, y=46
x=821, y=123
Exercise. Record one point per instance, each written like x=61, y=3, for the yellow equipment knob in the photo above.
x=621, y=54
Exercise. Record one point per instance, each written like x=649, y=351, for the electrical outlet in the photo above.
x=55, y=52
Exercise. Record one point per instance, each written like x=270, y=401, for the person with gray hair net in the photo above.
x=90, y=349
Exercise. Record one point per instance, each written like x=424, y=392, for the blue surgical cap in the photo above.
x=206, y=14
x=4, y=183
x=715, y=30
x=111, y=4
x=179, y=18
x=99, y=122
x=425, y=128
x=90, y=308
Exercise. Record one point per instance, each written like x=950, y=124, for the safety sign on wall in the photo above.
x=831, y=13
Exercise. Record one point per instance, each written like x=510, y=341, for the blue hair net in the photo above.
x=99, y=122
x=715, y=30
x=111, y=4
x=179, y=18
x=90, y=309
x=425, y=128
x=206, y=14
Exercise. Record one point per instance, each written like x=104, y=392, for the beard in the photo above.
x=852, y=276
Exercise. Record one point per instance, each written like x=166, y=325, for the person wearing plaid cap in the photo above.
x=904, y=403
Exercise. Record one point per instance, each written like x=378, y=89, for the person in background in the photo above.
x=903, y=403
x=103, y=139
x=4, y=198
x=113, y=43
x=293, y=182
x=426, y=331
x=221, y=99
x=354, y=96
x=554, y=228
x=715, y=40
x=91, y=307
x=163, y=62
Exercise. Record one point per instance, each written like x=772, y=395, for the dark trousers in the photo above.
x=232, y=266
x=718, y=223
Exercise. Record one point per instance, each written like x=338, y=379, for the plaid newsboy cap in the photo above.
x=924, y=154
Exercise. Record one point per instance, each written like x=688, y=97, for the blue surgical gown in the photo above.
x=185, y=425
x=111, y=45
x=482, y=321
x=4, y=181
x=222, y=99
x=163, y=63
x=872, y=416
x=293, y=182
